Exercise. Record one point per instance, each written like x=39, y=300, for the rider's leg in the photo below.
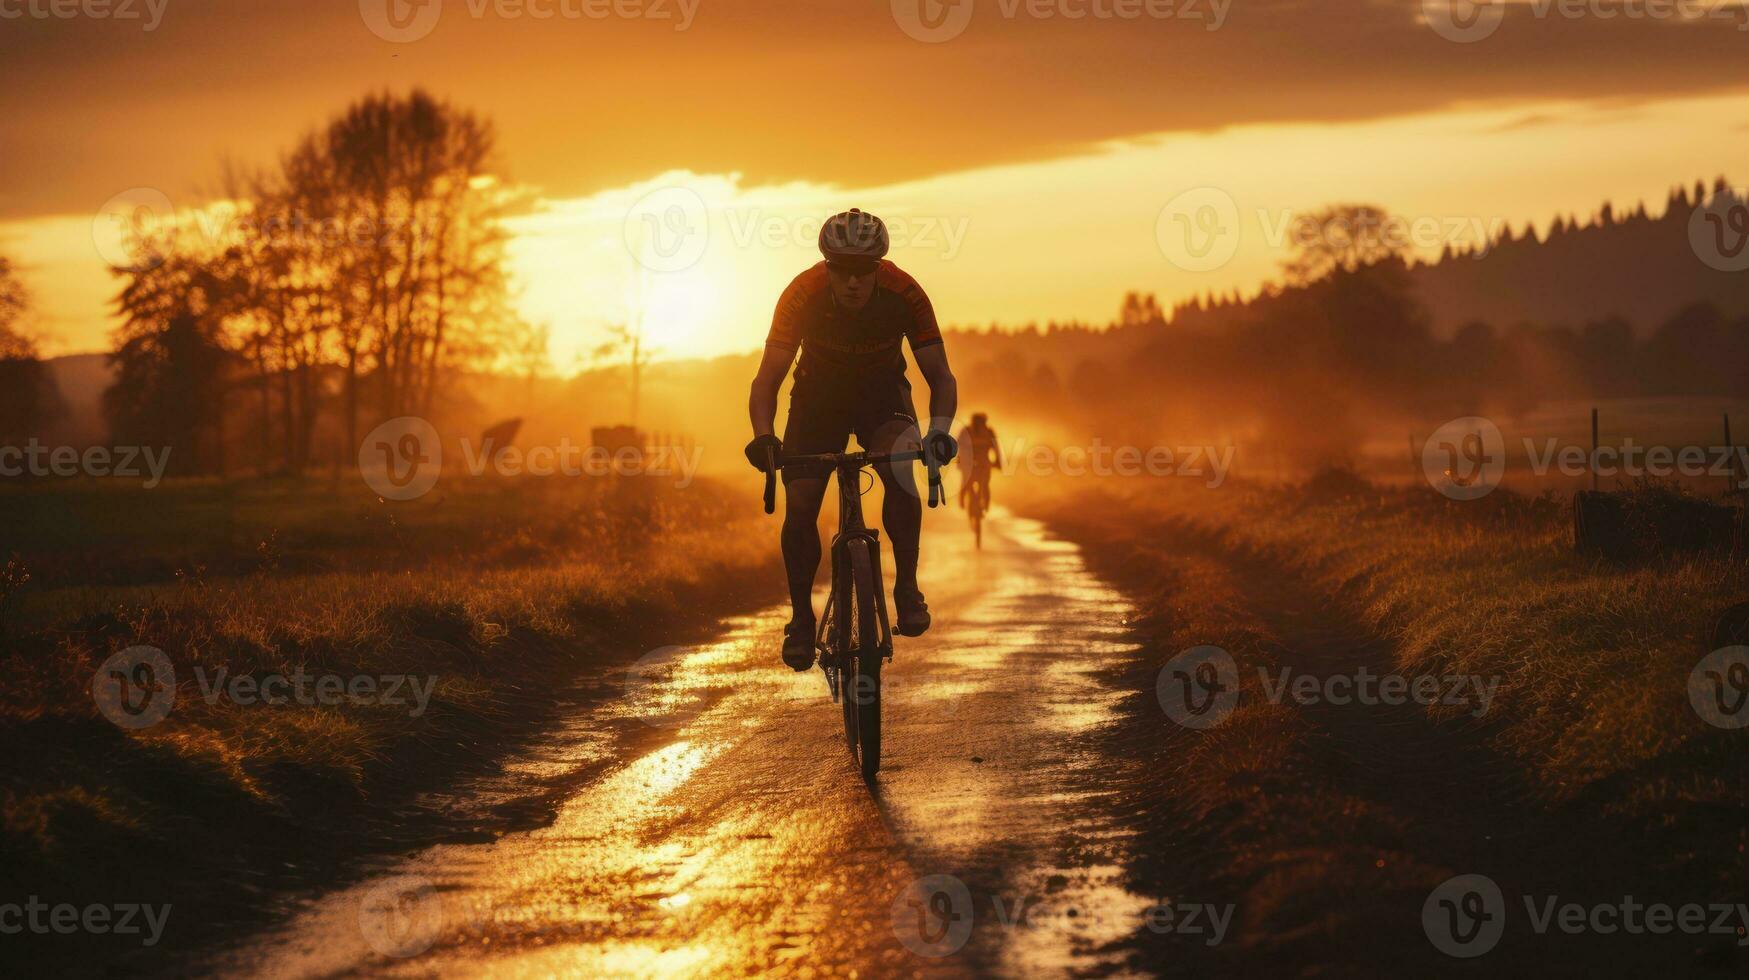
x=801, y=543
x=901, y=507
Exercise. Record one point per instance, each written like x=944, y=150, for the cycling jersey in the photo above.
x=866, y=342
x=976, y=449
x=851, y=378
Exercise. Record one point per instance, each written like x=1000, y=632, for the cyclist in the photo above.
x=848, y=316
x=980, y=456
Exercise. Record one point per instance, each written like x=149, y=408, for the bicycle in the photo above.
x=978, y=490
x=854, y=638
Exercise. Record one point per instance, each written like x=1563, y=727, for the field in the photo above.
x=464, y=619
x=1584, y=770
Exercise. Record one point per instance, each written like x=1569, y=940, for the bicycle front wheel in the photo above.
x=862, y=671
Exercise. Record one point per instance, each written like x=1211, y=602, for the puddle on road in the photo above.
x=721, y=830
x=1043, y=864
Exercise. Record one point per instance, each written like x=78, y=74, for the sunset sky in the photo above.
x=1030, y=152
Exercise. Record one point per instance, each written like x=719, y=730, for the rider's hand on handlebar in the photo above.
x=942, y=448
x=757, y=449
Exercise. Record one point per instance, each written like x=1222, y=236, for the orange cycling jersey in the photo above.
x=862, y=343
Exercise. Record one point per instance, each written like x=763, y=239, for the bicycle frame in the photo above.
x=854, y=636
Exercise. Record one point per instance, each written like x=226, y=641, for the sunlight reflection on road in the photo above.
x=732, y=836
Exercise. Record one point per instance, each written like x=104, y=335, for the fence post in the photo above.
x=1594, y=449
x=1730, y=460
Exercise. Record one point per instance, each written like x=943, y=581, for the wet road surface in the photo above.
x=717, y=824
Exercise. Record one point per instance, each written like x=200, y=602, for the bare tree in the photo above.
x=1342, y=237
x=626, y=342
x=412, y=176
x=373, y=253
x=15, y=344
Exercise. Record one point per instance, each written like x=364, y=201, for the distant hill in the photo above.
x=1635, y=266
x=1625, y=264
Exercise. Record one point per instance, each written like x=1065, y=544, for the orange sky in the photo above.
x=1048, y=143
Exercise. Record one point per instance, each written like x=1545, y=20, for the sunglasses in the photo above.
x=857, y=269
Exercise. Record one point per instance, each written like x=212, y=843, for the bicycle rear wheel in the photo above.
x=862, y=662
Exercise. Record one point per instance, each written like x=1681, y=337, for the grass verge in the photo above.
x=1590, y=774
x=480, y=609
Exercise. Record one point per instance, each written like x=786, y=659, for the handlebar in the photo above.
x=937, y=495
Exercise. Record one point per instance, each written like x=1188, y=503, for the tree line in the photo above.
x=354, y=281
x=1342, y=350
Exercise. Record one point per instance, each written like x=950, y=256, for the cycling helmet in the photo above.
x=854, y=238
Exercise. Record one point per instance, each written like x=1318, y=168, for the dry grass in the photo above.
x=1594, y=657
x=499, y=594
x=1590, y=770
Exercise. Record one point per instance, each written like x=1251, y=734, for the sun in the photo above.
x=677, y=312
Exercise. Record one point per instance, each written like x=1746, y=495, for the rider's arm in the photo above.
x=926, y=347
x=996, y=448
x=781, y=345
x=762, y=402
x=944, y=392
